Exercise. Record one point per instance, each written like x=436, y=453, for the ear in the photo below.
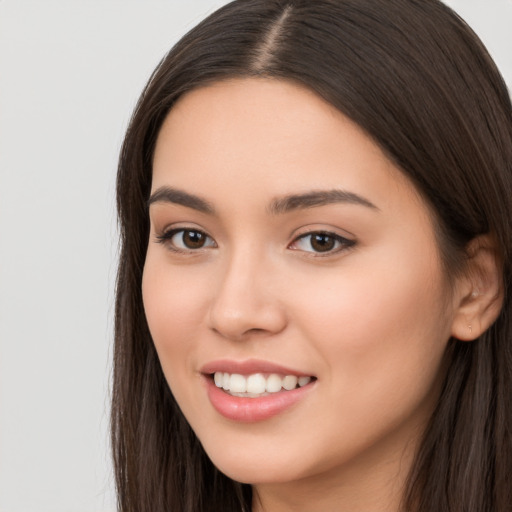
x=479, y=291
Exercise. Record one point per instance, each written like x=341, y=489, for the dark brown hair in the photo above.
x=421, y=84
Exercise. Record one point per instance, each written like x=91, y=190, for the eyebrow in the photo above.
x=176, y=196
x=317, y=198
x=278, y=206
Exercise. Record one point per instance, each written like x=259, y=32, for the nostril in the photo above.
x=256, y=331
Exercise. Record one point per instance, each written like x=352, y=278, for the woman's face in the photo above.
x=286, y=249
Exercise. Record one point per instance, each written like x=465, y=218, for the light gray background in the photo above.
x=70, y=73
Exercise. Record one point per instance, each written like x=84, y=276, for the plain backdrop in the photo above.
x=70, y=73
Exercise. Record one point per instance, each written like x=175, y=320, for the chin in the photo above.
x=268, y=473
x=257, y=466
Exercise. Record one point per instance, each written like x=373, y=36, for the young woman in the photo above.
x=313, y=309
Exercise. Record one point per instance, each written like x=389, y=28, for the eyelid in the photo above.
x=344, y=242
x=167, y=234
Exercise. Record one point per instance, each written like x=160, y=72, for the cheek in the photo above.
x=381, y=336
x=381, y=325
x=174, y=306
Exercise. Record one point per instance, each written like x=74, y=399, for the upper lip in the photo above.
x=248, y=367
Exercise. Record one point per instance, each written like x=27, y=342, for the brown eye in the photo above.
x=193, y=239
x=186, y=240
x=319, y=242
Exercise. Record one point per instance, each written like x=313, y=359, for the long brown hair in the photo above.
x=421, y=84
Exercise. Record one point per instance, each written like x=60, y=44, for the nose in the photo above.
x=246, y=300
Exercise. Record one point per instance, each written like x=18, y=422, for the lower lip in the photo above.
x=249, y=410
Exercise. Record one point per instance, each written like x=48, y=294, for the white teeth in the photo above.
x=274, y=383
x=225, y=381
x=304, y=380
x=218, y=378
x=290, y=382
x=237, y=383
x=257, y=384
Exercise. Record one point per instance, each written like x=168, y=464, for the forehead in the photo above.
x=253, y=136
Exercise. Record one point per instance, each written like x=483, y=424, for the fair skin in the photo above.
x=364, y=309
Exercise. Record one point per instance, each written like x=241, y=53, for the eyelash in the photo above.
x=166, y=239
x=340, y=243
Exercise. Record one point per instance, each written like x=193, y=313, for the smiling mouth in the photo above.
x=258, y=384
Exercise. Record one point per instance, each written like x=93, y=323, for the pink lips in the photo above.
x=245, y=409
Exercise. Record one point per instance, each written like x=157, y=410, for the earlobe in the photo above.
x=480, y=290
